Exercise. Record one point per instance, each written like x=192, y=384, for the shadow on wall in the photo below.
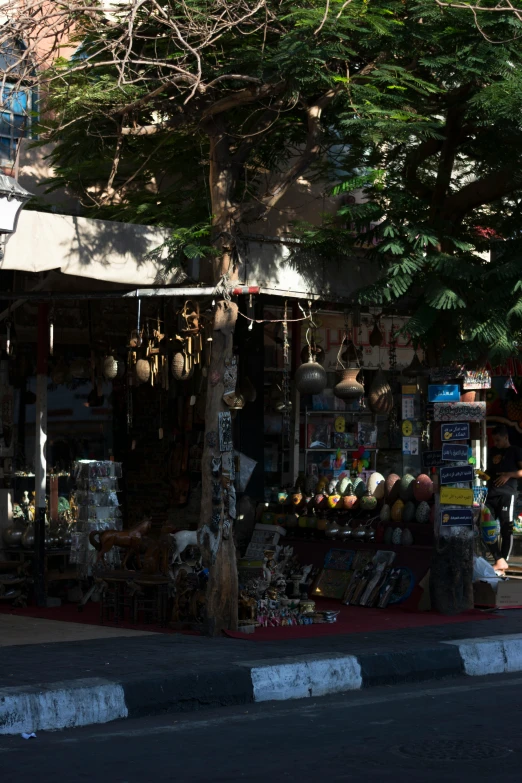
x=284, y=267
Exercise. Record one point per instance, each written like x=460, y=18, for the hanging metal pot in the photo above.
x=380, y=398
x=310, y=378
x=348, y=387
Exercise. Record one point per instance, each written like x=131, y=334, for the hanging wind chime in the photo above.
x=286, y=379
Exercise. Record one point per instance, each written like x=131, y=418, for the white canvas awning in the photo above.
x=96, y=249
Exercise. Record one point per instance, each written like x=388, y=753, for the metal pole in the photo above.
x=40, y=453
x=137, y=293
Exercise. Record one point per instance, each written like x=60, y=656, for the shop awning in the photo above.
x=95, y=249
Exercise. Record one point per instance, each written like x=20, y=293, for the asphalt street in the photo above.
x=455, y=730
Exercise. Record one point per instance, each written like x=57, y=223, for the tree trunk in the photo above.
x=216, y=532
x=219, y=552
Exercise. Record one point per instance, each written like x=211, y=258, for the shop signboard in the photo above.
x=457, y=474
x=432, y=459
x=476, y=379
x=410, y=447
x=452, y=496
x=438, y=392
x=456, y=516
x=459, y=411
x=457, y=431
x=454, y=452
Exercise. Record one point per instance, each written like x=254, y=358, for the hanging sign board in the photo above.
x=443, y=393
x=457, y=474
x=451, y=496
x=454, y=431
x=454, y=452
x=409, y=389
x=456, y=516
x=476, y=379
x=459, y=411
x=432, y=459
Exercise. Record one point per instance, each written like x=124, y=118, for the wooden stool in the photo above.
x=151, y=600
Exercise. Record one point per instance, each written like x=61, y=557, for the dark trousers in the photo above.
x=502, y=504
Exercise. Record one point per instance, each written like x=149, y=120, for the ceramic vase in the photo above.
x=348, y=387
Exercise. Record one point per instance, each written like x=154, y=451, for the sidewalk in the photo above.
x=119, y=673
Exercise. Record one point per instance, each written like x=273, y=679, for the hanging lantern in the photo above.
x=350, y=354
x=235, y=401
x=376, y=337
x=415, y=368
x=142, y=370
x=112, y=368
x=380, y=397
x=248, y=390
x=179, y=367
x=348, y=387
x=310, y=378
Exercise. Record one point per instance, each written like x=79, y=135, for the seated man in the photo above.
x=504, y=469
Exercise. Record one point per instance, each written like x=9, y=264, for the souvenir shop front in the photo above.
x=338, y=476
x=372, y=462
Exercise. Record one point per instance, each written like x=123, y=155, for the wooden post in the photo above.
x=40, y=453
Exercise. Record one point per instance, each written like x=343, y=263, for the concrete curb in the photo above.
x=85, y=702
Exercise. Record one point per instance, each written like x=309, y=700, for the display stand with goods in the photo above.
x=98, y=511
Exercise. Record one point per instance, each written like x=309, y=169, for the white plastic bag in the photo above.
x=484, y=572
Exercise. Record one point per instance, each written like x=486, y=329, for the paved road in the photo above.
x=466, y=730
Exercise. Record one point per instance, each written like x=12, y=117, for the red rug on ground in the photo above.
x=358, y=619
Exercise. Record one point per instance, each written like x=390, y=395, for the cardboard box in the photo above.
x=507, y=594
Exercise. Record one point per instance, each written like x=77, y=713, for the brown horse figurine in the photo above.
x=131, y=540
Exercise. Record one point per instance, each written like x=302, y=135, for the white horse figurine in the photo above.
x=181, y=540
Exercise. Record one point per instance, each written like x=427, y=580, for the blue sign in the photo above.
x=456, y=516
x=454, y=452
x=457, y=475
x=450, y=432
x=440, y=393
x=432, y=459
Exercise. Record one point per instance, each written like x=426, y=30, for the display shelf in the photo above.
x=339, y=543
x=309, y=412
x=344, y=448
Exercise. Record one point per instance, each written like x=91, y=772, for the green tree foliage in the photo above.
x=440, y=173
x=167, y=124
x=159, y=121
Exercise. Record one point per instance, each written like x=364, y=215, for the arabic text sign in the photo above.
x=454, y=431
x=432, y=459
x=440, y=393
x=454, y=452
x=456, y=516
x=459, y=411
x=457, y=474
x=451, y=496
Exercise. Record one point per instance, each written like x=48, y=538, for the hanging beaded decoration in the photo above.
x=393, y=423
x=286, y=380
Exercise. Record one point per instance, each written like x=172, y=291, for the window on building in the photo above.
x=16, y=118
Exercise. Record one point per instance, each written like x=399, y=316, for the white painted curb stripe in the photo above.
x=306, y=676
x=60, y=705
x=490, y=655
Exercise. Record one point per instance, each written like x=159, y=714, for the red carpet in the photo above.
x=352, y=619
x=358, y=619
